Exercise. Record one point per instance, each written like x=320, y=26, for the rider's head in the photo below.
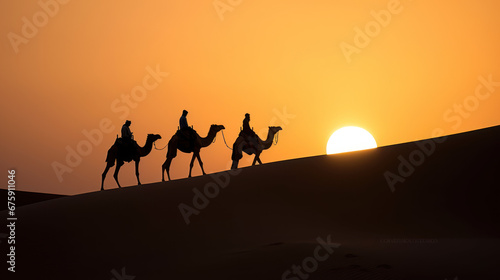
x=184, y=113
x=247, y=116
x=128, y=123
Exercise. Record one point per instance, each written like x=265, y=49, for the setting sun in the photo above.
x=348, y=139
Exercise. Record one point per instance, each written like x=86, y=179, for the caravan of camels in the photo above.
x=186, y=140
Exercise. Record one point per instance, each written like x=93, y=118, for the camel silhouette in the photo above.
x=186, y=146
x=118, y=153
x=255, y=147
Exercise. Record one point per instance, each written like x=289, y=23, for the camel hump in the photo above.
x=248, y=134
x=125, y=142
x=187, y=133
x=126, y=148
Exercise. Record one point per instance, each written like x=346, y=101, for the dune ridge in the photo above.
x=440, y=222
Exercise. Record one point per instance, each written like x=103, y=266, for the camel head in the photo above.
x=216, y=127
x=275, y=129
x=153, y=137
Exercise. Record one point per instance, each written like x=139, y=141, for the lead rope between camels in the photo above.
x=154, y=143
x=277, y=136
x=224, y=137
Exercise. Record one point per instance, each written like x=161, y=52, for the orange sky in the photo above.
x=72, y=68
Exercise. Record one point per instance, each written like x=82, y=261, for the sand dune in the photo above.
x=25, y=198
x=442, y=222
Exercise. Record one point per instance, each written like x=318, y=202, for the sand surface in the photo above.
x=442, y=222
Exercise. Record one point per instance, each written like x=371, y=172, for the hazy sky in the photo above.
x=399, y=69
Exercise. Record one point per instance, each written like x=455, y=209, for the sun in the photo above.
x=350, y=138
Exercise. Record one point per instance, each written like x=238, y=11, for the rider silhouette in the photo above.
x=127, y=142
x=184, y=128
x=246, y=126
x=126, y=133
x=247, y=132
x=183, y=124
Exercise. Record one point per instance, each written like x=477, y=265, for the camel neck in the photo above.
x=269, y=140
x=206, y=141
x=146, y=149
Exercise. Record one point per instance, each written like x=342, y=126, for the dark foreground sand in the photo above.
x=442, y=222
x=25, y=198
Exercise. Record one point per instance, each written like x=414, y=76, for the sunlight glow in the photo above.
x=350, y=138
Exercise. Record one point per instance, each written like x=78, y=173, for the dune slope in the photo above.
x=438, y=220
x=25, y=198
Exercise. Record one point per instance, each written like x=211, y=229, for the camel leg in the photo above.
x=108, y=166
x=137, y=171
x=191, y=164
x=257, y=158
x=117, y=169
x=254, y=160
x=163, y=167
x=171, y=154
x=200, y=162
x=166, y=167
x=237, y=152
x=235, y=164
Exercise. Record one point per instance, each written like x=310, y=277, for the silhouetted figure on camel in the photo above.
x=125, y=149
x=249, y=142
x=188, y=141
x=183, y=123
x=184, y=130
x=247, y=131
x=127, y=141
x=126, y=133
